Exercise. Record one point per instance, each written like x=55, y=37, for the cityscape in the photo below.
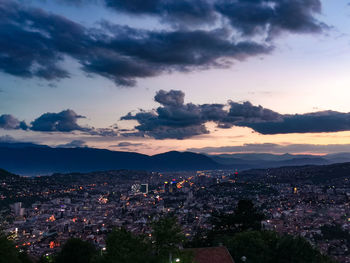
x=58, y=207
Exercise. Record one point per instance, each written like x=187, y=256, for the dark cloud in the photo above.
x=104, y=132
x=126, y=144
x=247, y=113
x=77, y=2
x=125, y=53
x=33, y=43
x=174, y=119
x=271, y=17
x=9, y=122
x=323, y=121
x=64, y=121
x=171, y=98
x=250, y=17
x=178, y=12
x=177, y=120
x=73, y=144
x=276, y=148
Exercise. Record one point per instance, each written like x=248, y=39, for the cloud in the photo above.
x=73, y=144
x=272, y=17
x=176, y=120
x=67, y=121
x=276, y=148
x=9, y=122
x=104, y=132
x=64, y=121
x=121, y=54
x=258, y=17
x=322, y=121
x=171, y=98
x=243, y=114
x=34, y=43
x=178, y=12
x=126, y=144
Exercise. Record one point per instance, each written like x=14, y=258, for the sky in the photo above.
x=150, y=76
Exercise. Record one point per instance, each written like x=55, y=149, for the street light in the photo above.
x=244, y=259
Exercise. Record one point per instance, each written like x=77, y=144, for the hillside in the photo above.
x=294, y=174
x=32, y=160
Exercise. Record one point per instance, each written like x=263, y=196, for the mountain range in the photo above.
x=33, y=159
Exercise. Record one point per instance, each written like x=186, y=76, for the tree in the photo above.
x=8, y=251
x=255, y=245
x=124, y=247
x=24, y=258
x=167, y=238
x=245, y=217
x=167, y=235
x=298, y=250
x=270, y=247
x=76, y=250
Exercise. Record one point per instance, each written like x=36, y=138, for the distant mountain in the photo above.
x=338, y=157
x=36, y=159
x=33, y=159
x=263, y=156
x=266, y=160
x=298, y=174
x=21, y=145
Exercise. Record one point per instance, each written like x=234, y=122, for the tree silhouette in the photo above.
x=124, y=247
x=167, y=238
x=76, y=251
x=245, y=217
x=8, y=251
x=270, y=247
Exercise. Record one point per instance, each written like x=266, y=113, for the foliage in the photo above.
x=8, y=251
x=167, y=235
x=167, y=238
x=76, y=251
x=124, y=247
x=334, y=231
x=270, y=247
x=245, y=217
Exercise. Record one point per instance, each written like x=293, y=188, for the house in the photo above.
x=212, y=255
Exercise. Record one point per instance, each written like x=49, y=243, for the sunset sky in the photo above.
x=150, y=76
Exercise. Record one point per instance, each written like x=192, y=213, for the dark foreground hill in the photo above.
x=32, y=160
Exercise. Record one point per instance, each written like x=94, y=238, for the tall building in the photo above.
x=144, y=188
x=18, y=209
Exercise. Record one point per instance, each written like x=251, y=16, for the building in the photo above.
x=212, y=255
